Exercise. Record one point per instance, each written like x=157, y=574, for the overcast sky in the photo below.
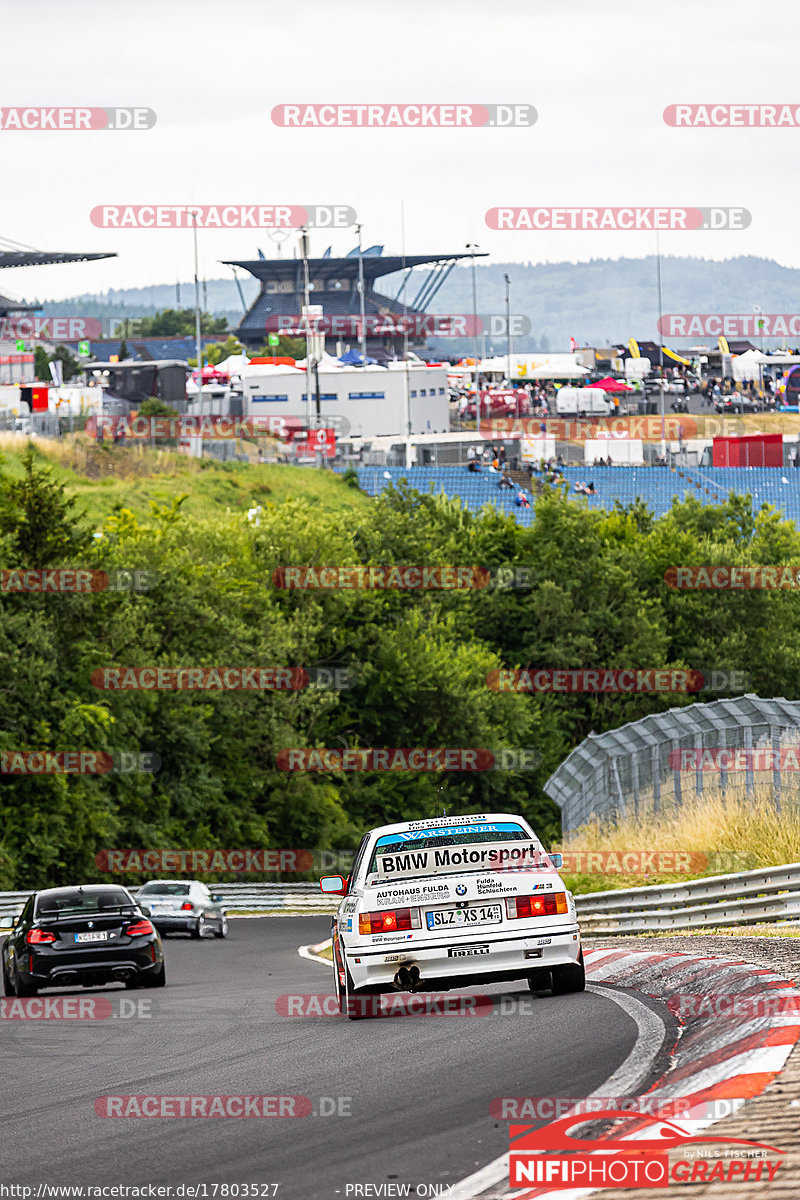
x=599, y=75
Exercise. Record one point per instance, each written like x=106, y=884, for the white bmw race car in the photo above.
x=452, y=902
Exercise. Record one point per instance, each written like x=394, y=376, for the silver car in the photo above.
x=184, y=906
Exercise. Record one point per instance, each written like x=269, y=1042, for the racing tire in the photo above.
x=569, y=978
x=200, y=928
x=353, y=1005
x=223, y=929
x=157, y=980
x=24, y=989
x=8, y=989
x=540, y=981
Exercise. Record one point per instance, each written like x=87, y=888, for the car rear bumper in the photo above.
x=444, y=963
x=61, y=969
x=183, y=923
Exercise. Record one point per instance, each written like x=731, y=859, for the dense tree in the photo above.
x=595, y=596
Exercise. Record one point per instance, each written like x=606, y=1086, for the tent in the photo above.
x=747, y=366
x=535, y=366
x=353, y=358
x=611, y=385
x=233, y=364
x=212, y=374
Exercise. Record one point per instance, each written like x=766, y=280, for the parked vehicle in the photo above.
x=583, y=402
x=737, y=402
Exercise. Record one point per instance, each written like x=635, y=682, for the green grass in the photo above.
x=138, y=476
x=760, y=931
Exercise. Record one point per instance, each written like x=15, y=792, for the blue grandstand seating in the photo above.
x=656, y=486
x=181, y=348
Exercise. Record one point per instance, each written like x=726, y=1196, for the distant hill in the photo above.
x=597, y=302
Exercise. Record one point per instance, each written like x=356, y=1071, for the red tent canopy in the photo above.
x=611, y=385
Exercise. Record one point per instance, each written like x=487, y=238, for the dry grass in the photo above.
x=715, y=424
x=735, y=832
x=741, y=931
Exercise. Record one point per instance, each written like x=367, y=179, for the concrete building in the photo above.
x=364, y=401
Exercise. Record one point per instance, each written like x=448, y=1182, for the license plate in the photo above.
x=448, y=918
x=95, y=935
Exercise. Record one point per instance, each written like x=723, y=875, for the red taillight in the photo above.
x=388, y=922
x=35, y=937
x=187, y=907
x=139, y=929
x=537, y=906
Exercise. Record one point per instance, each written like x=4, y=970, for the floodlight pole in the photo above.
x=363, y=303
x=306, y=304
x=661, y=351
x=472, y=247
x=197, y=335
x=508, y=335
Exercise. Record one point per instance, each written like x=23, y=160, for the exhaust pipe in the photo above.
x=400, y=981
x=407, y=980
x=122, y=974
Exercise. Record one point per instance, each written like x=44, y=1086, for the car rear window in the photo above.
x=165, y=889
x=458, y=835
x=80, y=901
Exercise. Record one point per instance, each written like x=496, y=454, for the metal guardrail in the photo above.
x=274, y=897
x=238, y=897
x=772, y=894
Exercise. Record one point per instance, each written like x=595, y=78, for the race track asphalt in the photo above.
x=417, y=1089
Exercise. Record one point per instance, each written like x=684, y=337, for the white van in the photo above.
x=580, y=402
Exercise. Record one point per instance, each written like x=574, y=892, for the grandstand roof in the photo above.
x=14, y=306
x=339, y=268
x=33, y=258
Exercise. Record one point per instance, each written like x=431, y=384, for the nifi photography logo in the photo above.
x=656, y=1154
